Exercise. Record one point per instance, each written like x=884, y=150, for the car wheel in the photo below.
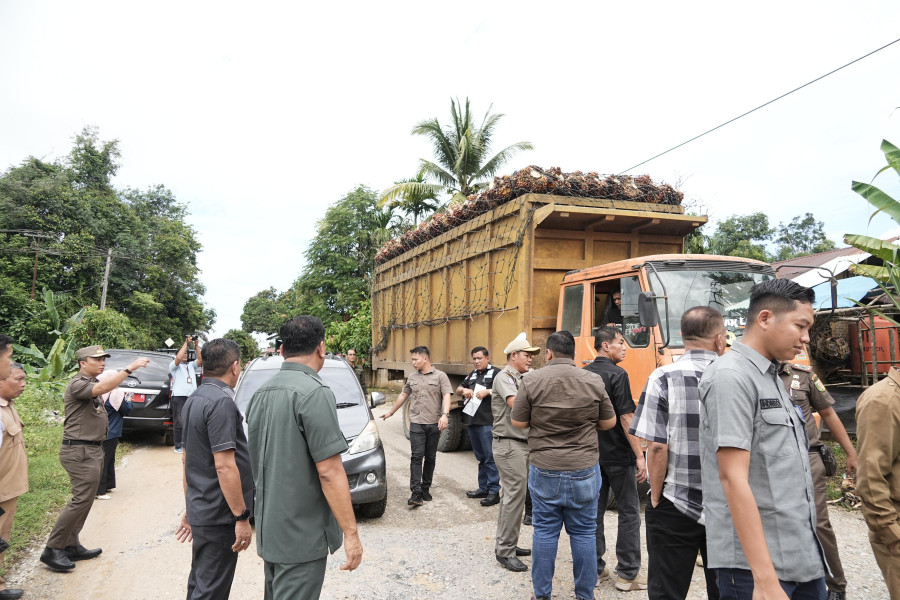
x=373, y=510
x=169, y=437
x=450, y=437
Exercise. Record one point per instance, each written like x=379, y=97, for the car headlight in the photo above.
x=367, y=440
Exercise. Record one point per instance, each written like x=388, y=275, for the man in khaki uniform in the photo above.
x=428, y=390
x=808, y=393
x=13, y=461
x=510, y=450
x=81, y=454
x=878, y=479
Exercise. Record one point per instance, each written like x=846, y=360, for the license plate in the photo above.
x=139, y=398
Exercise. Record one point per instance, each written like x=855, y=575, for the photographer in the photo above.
x=184, y=382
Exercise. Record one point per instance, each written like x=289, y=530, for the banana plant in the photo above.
x=56, y=364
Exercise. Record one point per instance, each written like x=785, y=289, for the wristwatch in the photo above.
x=243, y=516
x=443, y=414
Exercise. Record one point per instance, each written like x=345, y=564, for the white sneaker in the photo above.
x=104, y=497
x=179, y=450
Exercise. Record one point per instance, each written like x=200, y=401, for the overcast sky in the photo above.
x=259, y=115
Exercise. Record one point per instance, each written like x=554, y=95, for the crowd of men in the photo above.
x=734, y=460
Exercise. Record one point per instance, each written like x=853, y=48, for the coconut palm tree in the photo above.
x=461, y=151
x=415, y=197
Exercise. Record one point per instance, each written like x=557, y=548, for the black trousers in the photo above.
x=673, y=541
x=212, y=562
x=108, y=474
x=178, y=403
x=423, y=441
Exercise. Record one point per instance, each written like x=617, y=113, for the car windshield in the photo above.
x=342, y=382
x=728, y=291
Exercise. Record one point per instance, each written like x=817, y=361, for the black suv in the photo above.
x=364, y=459
x=150, y=387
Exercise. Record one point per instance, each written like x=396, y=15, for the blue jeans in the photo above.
x=737, y=584
x=488, y=474
x=570, y=498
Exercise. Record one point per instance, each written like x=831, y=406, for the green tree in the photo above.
x=339, y=261
x=354, y=333
x=800, y=237
x=461, y=150
x=742, y=235
x=263, y=313
x=249, y=346
x=415, y=198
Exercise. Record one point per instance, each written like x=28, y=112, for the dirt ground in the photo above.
x=442, y=550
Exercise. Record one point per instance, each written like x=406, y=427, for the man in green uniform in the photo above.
x=81, y=455
x=302, y=494
x=808, y=393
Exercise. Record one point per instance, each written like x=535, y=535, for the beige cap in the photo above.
x=91, y=352
x=520, y=344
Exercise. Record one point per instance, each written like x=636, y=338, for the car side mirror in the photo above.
x=647, y=311
x=377, y=399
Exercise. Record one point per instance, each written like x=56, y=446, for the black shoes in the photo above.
x=11, y=594
x=79, y=552
x=426, y=496
x=523, y=551
x=57, y=559
x=832, y=595
x=512, y=563
x=415, y=499
x=477, y=494
x=527, y=519
x=491, y=499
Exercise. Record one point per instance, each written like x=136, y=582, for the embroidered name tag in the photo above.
x=765, y=403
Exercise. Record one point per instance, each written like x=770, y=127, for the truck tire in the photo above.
x=373, y=510
x=406, y=420
x=450, y=437
x=465, y=442
x=169, y=437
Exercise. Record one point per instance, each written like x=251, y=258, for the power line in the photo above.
x=697, y=137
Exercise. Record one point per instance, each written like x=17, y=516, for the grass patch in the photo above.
x=834, y=482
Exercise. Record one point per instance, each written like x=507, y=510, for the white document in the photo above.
x=473, y=404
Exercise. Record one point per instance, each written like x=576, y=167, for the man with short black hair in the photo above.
x=758, y=494
x=622, y=465
x=563, y=406
x=351, y=360
x=303, y=507
x=13, y=461
x=218, y=482
x=668, y=417
x=428, y=390
x=476, y=387
x=84, y=431
x=184, y=382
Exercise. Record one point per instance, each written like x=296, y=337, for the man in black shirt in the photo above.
x=218, y=481
x=477, y=387
x=622, y=465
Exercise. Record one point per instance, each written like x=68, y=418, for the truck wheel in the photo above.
x=373, y=510
x=611, y=503
x=450, y=437
x=169, y=437
x=406, y=420
x=465, y=442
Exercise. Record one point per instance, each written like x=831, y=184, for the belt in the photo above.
x=506, y=437
x=81, y=443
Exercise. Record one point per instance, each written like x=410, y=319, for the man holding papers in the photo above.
x=476, y=389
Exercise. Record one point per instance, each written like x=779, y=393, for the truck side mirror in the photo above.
x=377, y=399
x=647, y=311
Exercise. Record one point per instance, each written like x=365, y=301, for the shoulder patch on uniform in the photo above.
x=819, y=385
x=799, y=367
x=510, y=380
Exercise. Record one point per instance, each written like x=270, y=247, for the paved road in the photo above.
x=442, y=550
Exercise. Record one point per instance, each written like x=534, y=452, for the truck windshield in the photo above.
x=728, y=291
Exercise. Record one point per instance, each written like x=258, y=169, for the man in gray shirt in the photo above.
x=757, y=489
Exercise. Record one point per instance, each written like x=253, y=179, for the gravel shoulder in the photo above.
x=441, y=550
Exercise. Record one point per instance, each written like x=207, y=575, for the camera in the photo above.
x=195, y=337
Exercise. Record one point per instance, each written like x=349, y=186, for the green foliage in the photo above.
x=801, y=237
x=110, y=329
x=415, y=198
x=57, y=363
x=249, y=346
x=461, y=152
x=355, y=333
x=742, y=235
x=339, y=261
x=263, y=313
x=73, y=216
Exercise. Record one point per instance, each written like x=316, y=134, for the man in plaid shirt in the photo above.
x=668, y=417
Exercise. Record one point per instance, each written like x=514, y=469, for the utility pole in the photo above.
x=105, y=279
x=36, y=252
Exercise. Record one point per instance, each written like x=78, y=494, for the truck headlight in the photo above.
x=367, y=440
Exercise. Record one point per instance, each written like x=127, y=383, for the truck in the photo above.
x=540, y=263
